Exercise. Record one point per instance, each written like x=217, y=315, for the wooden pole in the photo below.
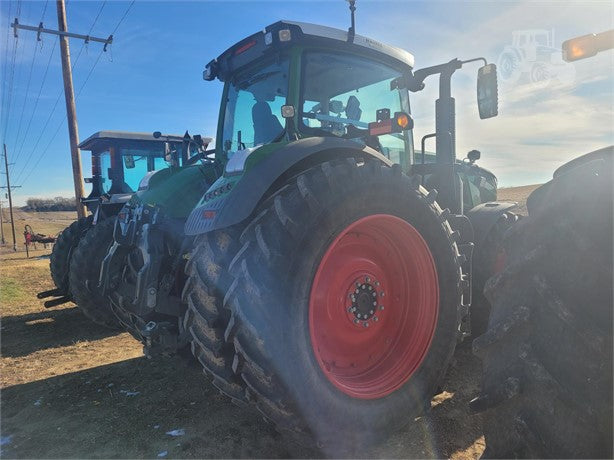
x=71, y=111
x=3, y=241
x=8, y=187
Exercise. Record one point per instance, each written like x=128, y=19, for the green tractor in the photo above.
x=141, y=270
x=328, y=275
x=119, y=160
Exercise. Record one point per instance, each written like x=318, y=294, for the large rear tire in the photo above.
x=68, y=239
x=295, y=277
x=547, y=354
x=85, y=273
x=206, y=318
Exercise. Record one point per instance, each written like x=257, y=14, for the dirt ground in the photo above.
x=71, y=389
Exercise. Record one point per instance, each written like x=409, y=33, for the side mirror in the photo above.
x=473, y=156
x=129, y=161
x=488, y=97
x=287, y=111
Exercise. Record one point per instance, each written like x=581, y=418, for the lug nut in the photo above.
x=367, y=279
x=365, y=324
x=374, y=294
x=350, y=309
x=356, y=321
x=370, y=312
x=377, y=283
x=374, y=303
x=382, y=294
x=370, y=288
x=381, y=307
x=376, y=319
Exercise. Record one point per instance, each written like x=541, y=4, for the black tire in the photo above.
x=206, y=317
x=67, y=241
x=547, y=355
x=281, y=250
x=85, y=273
x=486, y=259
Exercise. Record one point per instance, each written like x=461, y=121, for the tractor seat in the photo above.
x=266, y=125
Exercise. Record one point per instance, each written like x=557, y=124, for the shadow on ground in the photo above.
x=28, y=333
x=127, y=408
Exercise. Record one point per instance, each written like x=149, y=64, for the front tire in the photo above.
x=281, y=296
x=85, y=274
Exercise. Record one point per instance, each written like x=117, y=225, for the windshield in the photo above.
x=138, y=162
x=340, y=90
x=253, y=107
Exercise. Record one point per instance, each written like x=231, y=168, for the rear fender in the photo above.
x=266, y=176
x=484, y=217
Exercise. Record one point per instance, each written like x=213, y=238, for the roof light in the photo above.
x=245, y=47
x=268, y=38
x=586, y=46
x=285, y=35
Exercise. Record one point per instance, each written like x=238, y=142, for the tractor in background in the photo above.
x=141, y=274
x=328, y=276
x=547, y=353
x=119, y=161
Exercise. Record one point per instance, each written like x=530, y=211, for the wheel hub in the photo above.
x=364, y=294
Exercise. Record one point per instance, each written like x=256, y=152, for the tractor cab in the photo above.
x=294, y=81
x=121, y=159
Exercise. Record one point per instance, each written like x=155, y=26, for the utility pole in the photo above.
x=69, y=93
x=8, y=186
x=71, y=111
x=2, y=240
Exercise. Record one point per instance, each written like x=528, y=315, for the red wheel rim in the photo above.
x=373, y=306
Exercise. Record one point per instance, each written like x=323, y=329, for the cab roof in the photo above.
x=102, y=139
x=331, y=33
x=287, y=33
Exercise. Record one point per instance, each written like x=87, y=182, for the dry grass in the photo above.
x=518, y=194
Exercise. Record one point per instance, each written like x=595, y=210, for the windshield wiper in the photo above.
x=256, y=78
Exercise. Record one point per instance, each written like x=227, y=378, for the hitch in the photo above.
x=162, y=339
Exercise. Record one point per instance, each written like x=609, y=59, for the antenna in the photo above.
x=352, y=29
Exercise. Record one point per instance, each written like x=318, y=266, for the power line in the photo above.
x=11, y=79
x=6, y=55
x=25, y=99
x=40, y=157
x=57, y=100
x=123, y=17
x=78, y=93
x=36, y=102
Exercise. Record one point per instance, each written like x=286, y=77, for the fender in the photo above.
x=247, y=193
x=484, y=216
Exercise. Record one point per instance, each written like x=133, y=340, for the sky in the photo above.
x=150, y=79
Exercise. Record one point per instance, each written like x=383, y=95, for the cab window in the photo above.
x=341, y=92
